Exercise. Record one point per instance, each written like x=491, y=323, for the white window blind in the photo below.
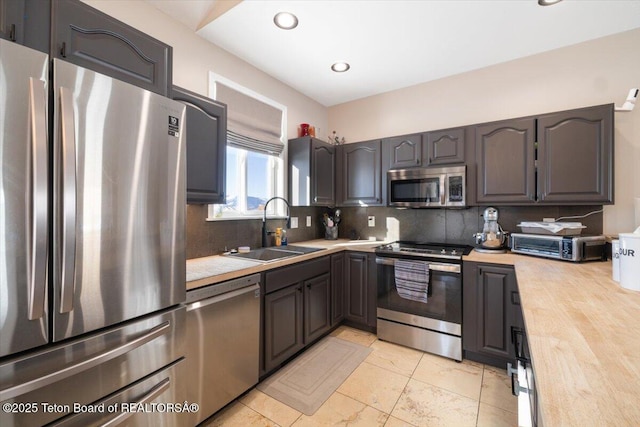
x=251, y=124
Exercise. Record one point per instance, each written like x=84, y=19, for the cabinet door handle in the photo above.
x=315, y=199
x=417, y=161
x=513, y=373
x=515, y=298
x=63, y=50
x=12, y=33
x=299, y=288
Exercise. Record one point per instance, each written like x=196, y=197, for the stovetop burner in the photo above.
x=428, y=249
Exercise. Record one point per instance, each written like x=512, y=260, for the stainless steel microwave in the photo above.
x=427, y=187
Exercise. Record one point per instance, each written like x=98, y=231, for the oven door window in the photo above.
x=444, y=301
x=421, y=190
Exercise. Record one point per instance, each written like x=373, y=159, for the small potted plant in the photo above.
x=335, y=139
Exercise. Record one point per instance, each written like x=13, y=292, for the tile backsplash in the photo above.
x=452, y=225
x=206, y=238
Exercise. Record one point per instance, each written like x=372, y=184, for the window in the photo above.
x=252, y=179
x=256, y=137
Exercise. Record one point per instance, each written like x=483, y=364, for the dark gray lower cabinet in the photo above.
x=491, y=310
x=297, y=309
x=283, y=334
x=361, y=290
x=337, y=288
x=317, y=307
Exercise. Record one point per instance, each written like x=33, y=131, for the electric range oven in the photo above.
x=419, y=300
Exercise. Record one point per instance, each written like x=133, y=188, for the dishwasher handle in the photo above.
x=255, y=288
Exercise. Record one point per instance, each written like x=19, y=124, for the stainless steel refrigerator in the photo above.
x=92, y=236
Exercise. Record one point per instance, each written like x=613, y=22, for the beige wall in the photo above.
x=194, y=57
x=596, y=72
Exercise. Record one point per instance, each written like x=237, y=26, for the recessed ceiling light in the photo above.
x=548, y=2
x=285, y=20
x=340, y=67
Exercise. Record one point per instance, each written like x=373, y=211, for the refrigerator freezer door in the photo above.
x=89, y=369
x=23, y=198
x=119, y=201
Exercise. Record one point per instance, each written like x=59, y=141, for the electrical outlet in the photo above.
x=294, y=222
x=308, y=221
x=371, y=221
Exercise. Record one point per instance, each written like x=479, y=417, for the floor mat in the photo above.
x=308, y=381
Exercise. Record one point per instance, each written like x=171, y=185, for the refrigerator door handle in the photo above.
x=68, y=208
x=86, y=364
x=155, y=391
x=38, y=198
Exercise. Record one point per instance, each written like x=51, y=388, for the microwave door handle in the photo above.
x=443, y=179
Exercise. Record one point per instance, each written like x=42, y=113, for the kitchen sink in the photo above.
x=265, y=255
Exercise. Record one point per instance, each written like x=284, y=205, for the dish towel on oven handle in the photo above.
x=412, y=279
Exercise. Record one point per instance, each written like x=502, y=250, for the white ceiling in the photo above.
x=395, y=44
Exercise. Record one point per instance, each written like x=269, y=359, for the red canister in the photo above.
x=304, y=129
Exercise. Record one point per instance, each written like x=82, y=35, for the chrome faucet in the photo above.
x=264, y=218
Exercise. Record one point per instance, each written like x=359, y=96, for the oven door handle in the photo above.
x=436, y=266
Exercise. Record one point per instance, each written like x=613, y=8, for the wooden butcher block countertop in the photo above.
x=583, y=331
x=219, y=268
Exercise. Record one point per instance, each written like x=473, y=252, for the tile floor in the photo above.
x=395, y=386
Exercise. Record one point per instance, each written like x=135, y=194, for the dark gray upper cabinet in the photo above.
x=445, y=147
x=359, y=175
x=11, y=20
x=491, y=312
x=206, y=146
x=570, y=153
x=403, y=151
x=505, y=155
x=89, y=38
x=312, y=171
x=575, y=156
x=26, y=22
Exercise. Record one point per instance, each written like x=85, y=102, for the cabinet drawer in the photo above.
x=285, y=276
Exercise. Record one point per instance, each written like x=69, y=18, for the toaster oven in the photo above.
x=567, y=248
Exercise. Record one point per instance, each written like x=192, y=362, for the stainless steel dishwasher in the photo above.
x=222, y=354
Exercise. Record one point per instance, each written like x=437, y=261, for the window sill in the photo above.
x=237, y=218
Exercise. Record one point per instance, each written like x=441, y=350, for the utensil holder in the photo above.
x=331, y=233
